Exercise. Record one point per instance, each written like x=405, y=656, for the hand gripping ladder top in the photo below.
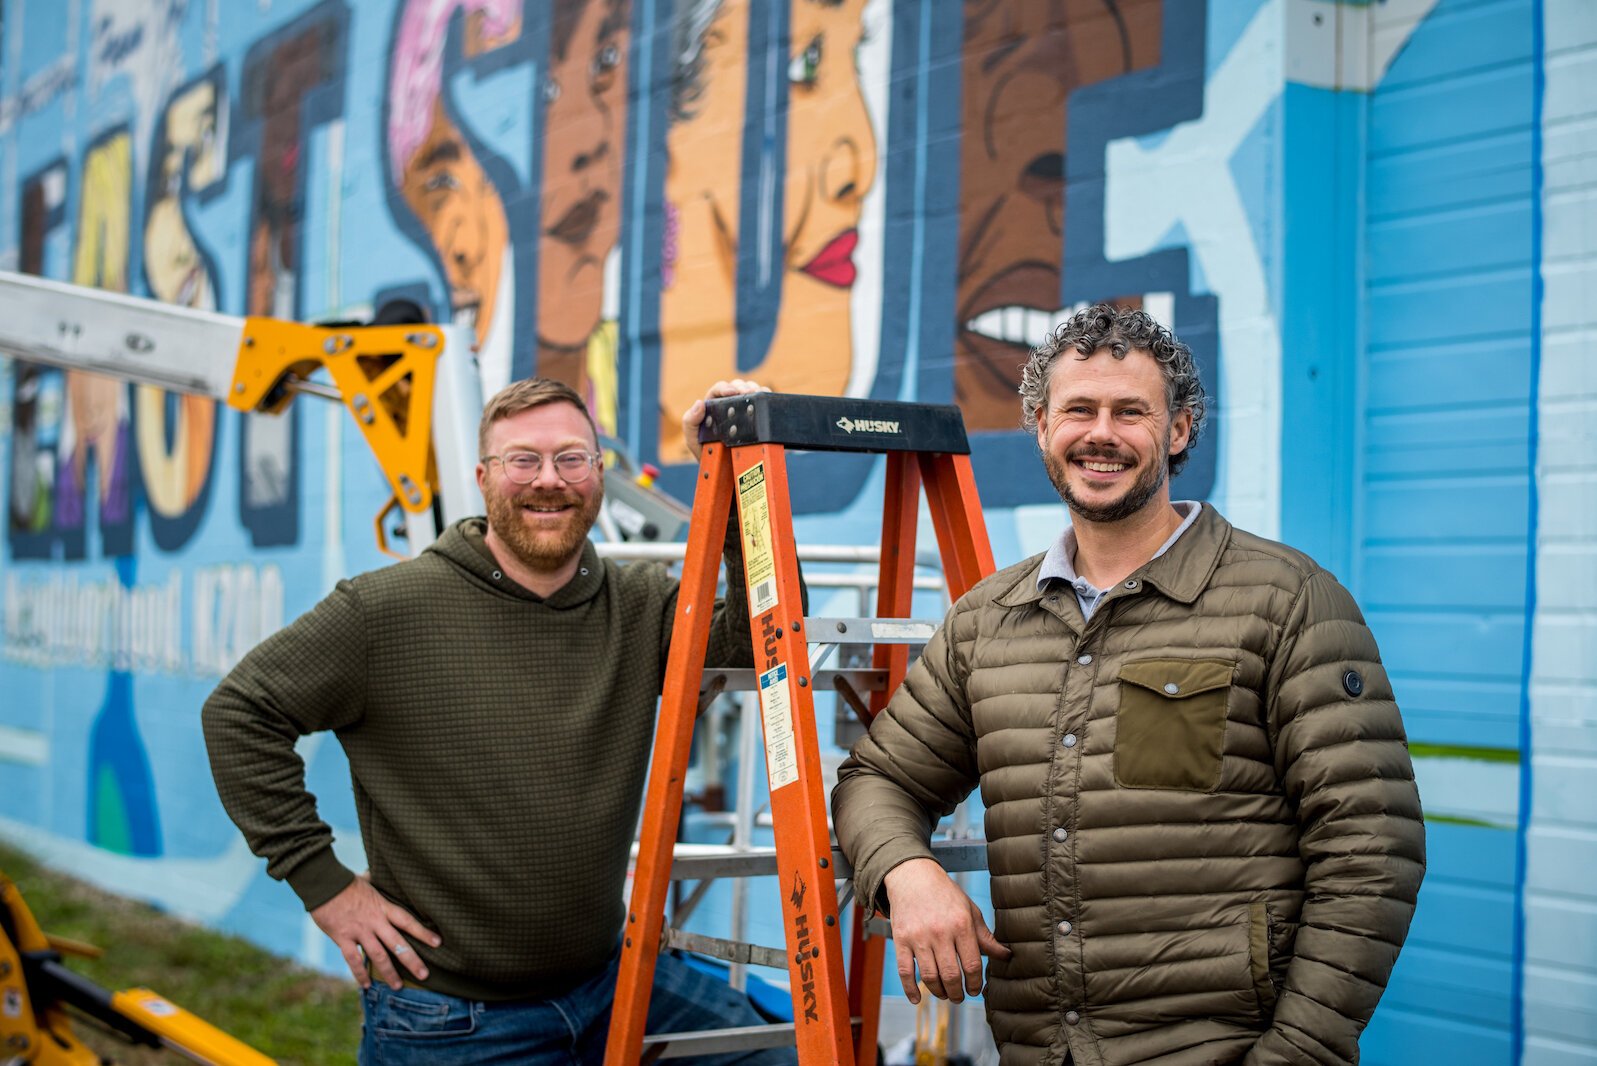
x=746, y=439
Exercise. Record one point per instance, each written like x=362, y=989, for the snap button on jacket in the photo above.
x=1223, y=865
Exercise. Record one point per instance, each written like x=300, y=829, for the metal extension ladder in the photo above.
x=746, y=439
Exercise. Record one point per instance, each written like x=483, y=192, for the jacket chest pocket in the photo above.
x=1170, y=723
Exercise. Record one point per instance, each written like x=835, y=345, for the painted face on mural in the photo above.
x=1107, y=434
x=543, y=523
x=831, y=152
x=172, y=262
x=585, y=122
x=831, y=165
x=459, y=206
x=1021, y=63
x=438, y=174
x=831, y=149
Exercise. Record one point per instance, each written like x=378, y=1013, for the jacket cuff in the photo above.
x=870, y=876
x=319, y=878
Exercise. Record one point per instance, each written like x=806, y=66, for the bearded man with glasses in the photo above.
x=496, y=699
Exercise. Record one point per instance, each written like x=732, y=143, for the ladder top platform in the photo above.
x=835, y=424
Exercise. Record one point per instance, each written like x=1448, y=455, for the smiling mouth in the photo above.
x=834, y=264
x=547, y=506
x=577, y=224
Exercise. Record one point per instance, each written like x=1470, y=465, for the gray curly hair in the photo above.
x=1120, y=331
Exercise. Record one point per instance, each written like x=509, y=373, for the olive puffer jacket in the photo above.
x=1203, y=833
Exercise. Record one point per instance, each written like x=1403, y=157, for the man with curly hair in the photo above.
x=1203, y=832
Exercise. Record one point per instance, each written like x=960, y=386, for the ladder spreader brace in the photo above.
x=745, y=440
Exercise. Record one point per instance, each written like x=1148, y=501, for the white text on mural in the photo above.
x=62, y=620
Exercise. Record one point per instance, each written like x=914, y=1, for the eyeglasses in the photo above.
x=523, y=467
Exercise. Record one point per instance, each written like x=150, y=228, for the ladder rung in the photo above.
x=863, y=680
x=955, y=856
x=715, y=1041
x=729, y=950
x=869, y=630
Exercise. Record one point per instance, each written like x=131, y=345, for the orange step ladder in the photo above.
x=746, y=439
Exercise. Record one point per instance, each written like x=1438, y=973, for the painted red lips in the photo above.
x=834, y=264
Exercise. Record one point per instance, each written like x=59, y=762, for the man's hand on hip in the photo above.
x=936, y=926
x=361, y=921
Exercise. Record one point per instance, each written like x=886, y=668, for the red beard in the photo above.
x=547, y=548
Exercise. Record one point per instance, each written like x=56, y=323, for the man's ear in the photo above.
x=1180, y=430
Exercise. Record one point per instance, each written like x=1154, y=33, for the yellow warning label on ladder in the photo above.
x=758, y=562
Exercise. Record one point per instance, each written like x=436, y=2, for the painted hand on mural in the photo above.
x=367, y=927
x=1021, y=63
x=743, y=264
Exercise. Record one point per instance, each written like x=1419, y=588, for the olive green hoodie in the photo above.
x=497, y=740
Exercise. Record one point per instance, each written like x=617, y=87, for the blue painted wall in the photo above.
x=1347, y=208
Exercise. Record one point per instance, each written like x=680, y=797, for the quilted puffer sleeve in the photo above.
x=1342, y=755
x=913, y=767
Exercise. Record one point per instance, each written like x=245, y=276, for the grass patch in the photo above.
x=295, y=1015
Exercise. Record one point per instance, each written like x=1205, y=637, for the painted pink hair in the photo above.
x=415, y=77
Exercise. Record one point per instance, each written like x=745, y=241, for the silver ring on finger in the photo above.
x=401, y=947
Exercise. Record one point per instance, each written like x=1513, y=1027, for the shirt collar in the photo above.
x=1060, y=561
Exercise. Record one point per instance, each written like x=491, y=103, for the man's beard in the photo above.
x=1134, y=499
x=547, y=550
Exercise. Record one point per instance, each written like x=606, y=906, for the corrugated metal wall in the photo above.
x=1443, y=495
x=1560, y=890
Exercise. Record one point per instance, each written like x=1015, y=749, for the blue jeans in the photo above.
x=419, y=1027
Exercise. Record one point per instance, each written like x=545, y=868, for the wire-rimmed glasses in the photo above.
x=573, y=467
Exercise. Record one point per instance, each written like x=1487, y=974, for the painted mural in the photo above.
x=871, y=198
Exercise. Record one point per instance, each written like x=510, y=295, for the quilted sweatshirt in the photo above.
x=497, y=740
x=1204, y=837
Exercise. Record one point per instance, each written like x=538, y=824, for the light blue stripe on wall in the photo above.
x=1444, y=493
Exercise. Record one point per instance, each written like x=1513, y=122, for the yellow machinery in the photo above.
x=36, y=988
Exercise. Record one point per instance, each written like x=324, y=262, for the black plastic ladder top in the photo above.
x=835, y=424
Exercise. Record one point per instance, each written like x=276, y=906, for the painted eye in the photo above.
x=442, y=181
x=606, y=60
x=551, y=90
x=805, y=69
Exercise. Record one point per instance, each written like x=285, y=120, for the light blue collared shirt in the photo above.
x=1060, y=562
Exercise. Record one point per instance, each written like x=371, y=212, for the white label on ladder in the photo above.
x=781, y=758
x=758, y=562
